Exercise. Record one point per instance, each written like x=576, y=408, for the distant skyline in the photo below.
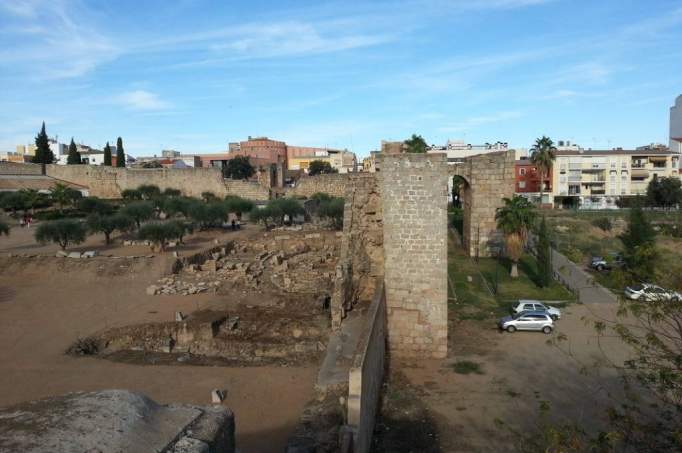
x=193, y=75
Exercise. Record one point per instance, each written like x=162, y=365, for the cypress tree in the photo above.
x=74, y=157
x=107, y=155
x=544, y=255
x=120, y=154
x=43, y=153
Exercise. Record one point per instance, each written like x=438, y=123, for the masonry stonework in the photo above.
x=489, y=179
x=109, y=182
x=331, y=184
x=361, y=263
x=414, y=193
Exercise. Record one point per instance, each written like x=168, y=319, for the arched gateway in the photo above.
x=395, y=229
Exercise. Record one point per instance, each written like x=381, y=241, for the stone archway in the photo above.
x=489, y=178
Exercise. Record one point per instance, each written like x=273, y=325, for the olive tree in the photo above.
x=63, y=232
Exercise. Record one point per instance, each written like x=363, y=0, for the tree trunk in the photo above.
x=514, y=270
x=107, y=238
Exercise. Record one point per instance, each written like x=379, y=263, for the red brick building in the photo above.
x=527, y=178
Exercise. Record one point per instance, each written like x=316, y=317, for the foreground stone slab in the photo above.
x=114, y=421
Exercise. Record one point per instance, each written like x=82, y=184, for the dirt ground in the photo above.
x=22, y=241
x=46, y=304
x=517, y=372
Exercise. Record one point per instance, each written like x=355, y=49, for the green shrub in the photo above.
x=238, y=205
x=466, y=367
x=160, y=233
x=131, y=195
x=332, y=209
x=107, y=224
x=63, y=232
x=149, y=191
x=94, y=205
x=4, y=228
x=603, y=223
x=139, y=211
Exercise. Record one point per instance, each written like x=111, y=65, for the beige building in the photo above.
x=343, y=161
x=596, y=179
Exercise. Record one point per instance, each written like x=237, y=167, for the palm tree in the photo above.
x=542, y=156
x=63, y=195
x=515, y=219
x=31, y=197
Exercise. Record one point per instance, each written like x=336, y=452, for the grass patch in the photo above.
x=485, y=290
x=466, y=367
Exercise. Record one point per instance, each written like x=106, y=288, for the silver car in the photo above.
x=650, y=293
x=527, y=320
x=535, y=305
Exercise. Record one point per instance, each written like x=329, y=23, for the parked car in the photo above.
x=527, y=320
x=650, y=293
x=536, y=305
x=606, y=264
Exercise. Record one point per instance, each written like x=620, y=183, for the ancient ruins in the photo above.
x=295, y=296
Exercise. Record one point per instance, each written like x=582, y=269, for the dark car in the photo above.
x=606, y=264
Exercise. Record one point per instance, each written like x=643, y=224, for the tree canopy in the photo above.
x=239, y=167
x=107, y=224
x=63, y=232
x=139, y=211
x=542, y=156
x=515, y=219
x=43, y=154
x=64, y=195
x=639, y=245
x=107, y=155
x=416, y=144
x=664, y=192
x=74, y=157
x=120, y=153
x=319, y=167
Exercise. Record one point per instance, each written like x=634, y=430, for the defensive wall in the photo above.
x=415, y=202
x=367, y=373
x=332, y=184
x=489, y=178
x=361, y=261
x=109, y=182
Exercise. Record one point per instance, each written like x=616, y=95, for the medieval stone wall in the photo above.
x=361, y=261
x=414, y=193
x=334, y=185
x=489, y=178
x=109, y=182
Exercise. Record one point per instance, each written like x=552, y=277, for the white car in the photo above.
x=649, y=293
x=536, y=305
x=527, y=320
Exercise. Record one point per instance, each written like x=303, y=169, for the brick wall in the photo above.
x=414, y=193
x=109, y=182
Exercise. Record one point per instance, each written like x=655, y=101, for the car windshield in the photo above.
x=637, y=287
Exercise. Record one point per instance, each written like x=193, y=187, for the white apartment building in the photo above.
x=676, y=125
x=595, y=179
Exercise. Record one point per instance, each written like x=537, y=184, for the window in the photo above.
x=522, y=172
x=522, y=184
x=528, y=307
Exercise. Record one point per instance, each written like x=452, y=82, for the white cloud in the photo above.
x=58, y=40
x=142, y=100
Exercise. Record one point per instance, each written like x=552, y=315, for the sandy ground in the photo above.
x=45, y=306
x=518, y=371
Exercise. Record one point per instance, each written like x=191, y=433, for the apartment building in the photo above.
x=527, y=180
x=676, y=125
x=596, y=179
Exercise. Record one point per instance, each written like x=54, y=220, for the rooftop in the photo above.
x=616, y=152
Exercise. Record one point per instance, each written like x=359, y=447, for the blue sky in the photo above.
x=193, y=75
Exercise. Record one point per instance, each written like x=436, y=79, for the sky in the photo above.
x=193, y=75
